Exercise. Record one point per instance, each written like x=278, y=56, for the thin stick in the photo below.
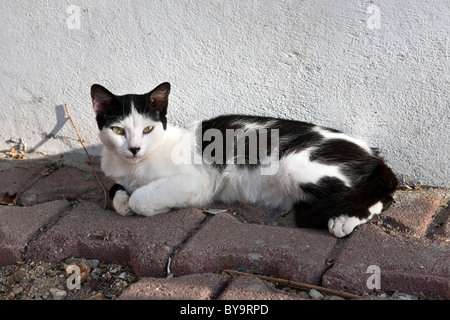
x=95, y=296
x=105, y=193
x=295, y=284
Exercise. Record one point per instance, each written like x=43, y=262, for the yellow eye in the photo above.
x=118, y=130
x=148, y=129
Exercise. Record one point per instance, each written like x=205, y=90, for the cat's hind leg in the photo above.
x=120, y=200
x=344, y=210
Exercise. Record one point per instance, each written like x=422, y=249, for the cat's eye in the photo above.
x=118, y=130
x=148, y=129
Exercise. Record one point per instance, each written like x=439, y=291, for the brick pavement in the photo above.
x=179, y=255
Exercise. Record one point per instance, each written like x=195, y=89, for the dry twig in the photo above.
x=105, y=193
x=95, y=296
x=294, y=284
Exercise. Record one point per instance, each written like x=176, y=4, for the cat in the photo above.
x=329, y=178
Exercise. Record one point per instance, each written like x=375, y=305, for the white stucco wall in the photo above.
x=376, y=69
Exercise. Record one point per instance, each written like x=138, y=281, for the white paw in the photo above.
x=376, y=209
x=343, y=225
x=143, y=206
x=120, y=203
x=144, y=210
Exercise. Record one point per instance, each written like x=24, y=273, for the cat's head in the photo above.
x=132, y=124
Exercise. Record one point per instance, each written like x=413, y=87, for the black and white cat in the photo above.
x=330, y=179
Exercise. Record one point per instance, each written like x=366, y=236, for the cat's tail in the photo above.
x=352, y=206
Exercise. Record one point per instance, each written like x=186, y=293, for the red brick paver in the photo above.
x=89, y=231
x=15, y=176
x=413, y=211
x=203, y=286
x=406, y=264
x=225, y=243
x=64, y=183
x=251, y=288
x=19, y=224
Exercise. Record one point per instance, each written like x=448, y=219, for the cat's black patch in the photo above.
x=324, y=187
x=293, y=136
x=112, y=192
x=337, y=151
x=318, y=191
x=355, y=162
x=216, y=156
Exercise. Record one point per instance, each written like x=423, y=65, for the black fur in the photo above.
x=379, y=186
x=112, y=192
x=294, y=136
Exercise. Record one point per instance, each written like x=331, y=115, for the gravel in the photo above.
x=49, y=281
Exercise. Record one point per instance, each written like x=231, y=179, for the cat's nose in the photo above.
x=134, y=151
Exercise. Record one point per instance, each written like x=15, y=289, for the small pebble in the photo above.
x=96, y=273
x=17, y=290
x=314, y=294
x=303, y=295
x=93, y=263
x=58, y=294
x=403, y=296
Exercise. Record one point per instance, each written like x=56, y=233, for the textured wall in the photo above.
x=376, y=69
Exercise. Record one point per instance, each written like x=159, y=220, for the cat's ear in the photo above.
x=159, y=97
x=101, y=98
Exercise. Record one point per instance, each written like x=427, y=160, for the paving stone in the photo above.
x=225, y=243
x=203, y=286
x=249, y=213
x=90, y=232
x=412, y=211
x=16, y=174
x=64, y=183
x=254, y=214
x=406, y=264
x=442, y=228
x=446, y=229
x=19, y=224
x=252, y=288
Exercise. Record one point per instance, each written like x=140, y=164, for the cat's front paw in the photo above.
x=120, y=200
x=343, y=225
x=121, y=203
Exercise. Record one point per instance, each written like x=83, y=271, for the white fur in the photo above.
x=303, y=170
x=343, y=225
x=376, y=209
x=339, y=135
